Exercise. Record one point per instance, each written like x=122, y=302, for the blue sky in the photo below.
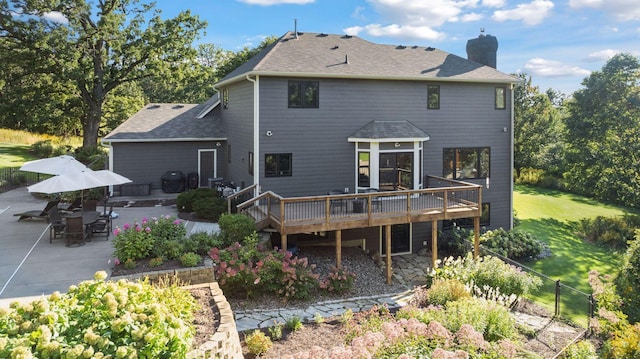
x=557, y=42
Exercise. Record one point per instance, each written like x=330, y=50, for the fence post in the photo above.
x=557, y=298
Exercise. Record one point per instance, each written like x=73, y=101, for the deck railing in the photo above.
x=451, y=199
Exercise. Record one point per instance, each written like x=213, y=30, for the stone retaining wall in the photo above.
x=225, y=343
x=189, y=276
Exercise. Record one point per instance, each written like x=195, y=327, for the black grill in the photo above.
x=173, y=181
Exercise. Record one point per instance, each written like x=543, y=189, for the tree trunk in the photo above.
x=91, y=124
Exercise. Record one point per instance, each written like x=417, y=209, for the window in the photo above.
x=433, y=97
x=303, y=94
x=277, y=165
x=501, y=98
x=225, y=98
x=364, y=177
x=250, y=163
x=468, y=222
x=465, y=163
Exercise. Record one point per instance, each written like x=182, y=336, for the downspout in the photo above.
x=511, y=152
x=256, y=132
x=110, y=159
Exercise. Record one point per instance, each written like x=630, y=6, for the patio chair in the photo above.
x=56, y=225
x=339, y=204
x=376, y=202
x=72, y=206
x=37, y=213
x=104, y=224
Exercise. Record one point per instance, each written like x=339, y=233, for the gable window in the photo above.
x=304, y=94
x=433, y=97
x=277, y=165
x=225, y=98
x=501, y=98
x=466, y=163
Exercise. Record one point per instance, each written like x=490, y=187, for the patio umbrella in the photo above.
x=54, y=165
x=77, y=181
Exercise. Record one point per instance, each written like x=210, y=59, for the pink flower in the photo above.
x=138, y=229
x=148, y=229
x=144, y=220
x=176, y=222
x=127, y=226
x=116, y=231
x=116, y=261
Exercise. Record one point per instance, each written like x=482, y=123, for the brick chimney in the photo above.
x=483, y=49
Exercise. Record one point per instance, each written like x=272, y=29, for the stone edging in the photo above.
x=225, y=343
x=191, y=276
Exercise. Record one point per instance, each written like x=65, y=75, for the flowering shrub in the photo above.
x=513, y=244
x=487, y=274
x=339, y=280
x=99, y=319
x=258, y=343
x=252, y=269
x=140, y=240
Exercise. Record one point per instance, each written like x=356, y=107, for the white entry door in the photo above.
x=207, y=166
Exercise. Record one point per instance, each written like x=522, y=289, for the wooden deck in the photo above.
x=338, y=212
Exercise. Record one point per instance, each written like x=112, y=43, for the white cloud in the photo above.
x=550, y=68
x=493, y=3
x=419, y=12
x=532, y=13
x=276, y=2
x=471, y=17
x=624, y=10
x=357, y=12
x=397, y=31
x=602, y=55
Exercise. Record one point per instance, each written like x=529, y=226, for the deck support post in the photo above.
x=476, y=236
x=283, y=242
x=387, y=246
x=434, y=244
x=338, y=248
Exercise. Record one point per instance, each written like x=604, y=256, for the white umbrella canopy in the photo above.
x=76, y=181
x=55, y=165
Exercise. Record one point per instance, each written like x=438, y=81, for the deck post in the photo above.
x=387, y=246
x=476, y=236
x=434, y=244
x=283, y=242
x=338, y=248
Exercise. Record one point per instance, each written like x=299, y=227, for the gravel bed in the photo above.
x=370, y=279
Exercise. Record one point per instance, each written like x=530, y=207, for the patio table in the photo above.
x=77, y=227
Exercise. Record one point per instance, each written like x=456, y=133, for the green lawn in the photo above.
x=547, y=214
x=14, y=155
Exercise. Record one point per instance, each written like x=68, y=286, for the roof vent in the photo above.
x=335, y=47
x=177, y=107
x=414, y=46
x=322, y=35
x=429, y=48
x=400, y=47
x=153, y=107
x=346, y=36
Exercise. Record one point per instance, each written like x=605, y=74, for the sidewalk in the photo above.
x=30, y=266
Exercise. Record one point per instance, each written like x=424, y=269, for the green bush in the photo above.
x=235, y=228
x=580, y=350
x=612, y=231
x=202, y=242
x=140, y=240
x=628, y=281
x=514, y=244
x=43, y=149
x=190, y=259
x=101, y=319
x=293, y=324
x=539, y=178
x=456, y=241
x=94, y=157
x=170, y=249
x=339, y=280
x=209, y=208
x=185, y=200
x=156, y=262
x=487, y=276
x=443, y=291
x=257, y=342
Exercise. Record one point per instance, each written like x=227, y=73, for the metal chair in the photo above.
x=56, y=227
x=340, y=204
x=104, y=224
x=376, y=202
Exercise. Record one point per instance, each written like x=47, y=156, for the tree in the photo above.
x=98, y=48
x=537, y=128
x=234, y=61
x=603, y=133
x=628, y=280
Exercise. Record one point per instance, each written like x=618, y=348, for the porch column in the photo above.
x=387, y=246
x=434, y=244
x=283, y=242
x=476, y=237
x=338, y=248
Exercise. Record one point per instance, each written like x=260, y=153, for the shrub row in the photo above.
x=99, y=319
x=612, y=231
x=203, y=202
x=514, y=244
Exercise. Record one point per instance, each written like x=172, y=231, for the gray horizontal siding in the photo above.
x=238, y=123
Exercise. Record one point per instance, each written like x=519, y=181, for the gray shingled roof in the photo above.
x=389, y=130
x=169, y=122
x=322, y=55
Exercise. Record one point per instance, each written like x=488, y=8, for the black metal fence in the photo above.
x=12, y=177
x=562, y=301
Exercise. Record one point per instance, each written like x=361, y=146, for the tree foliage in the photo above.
x=94, y=48
x=537, y=128
x=603, y=133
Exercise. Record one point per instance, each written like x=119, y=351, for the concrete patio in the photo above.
x=30, y=266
